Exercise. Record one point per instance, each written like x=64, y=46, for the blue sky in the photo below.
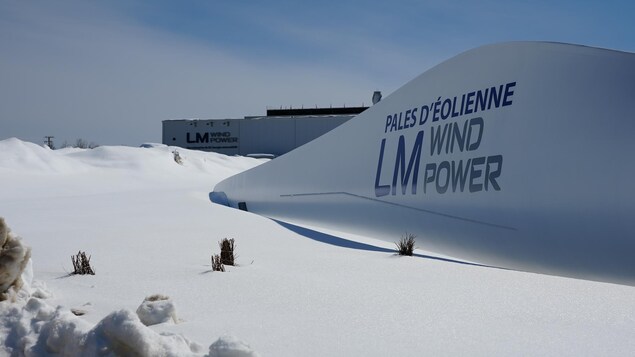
x=111, y=71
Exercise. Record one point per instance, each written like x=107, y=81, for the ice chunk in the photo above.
x=156, y=309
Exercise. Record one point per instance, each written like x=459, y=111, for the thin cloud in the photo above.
x=114, y=84
x=108, y=72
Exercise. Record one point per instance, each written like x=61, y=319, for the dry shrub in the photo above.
x=406, y=245
x=177, y=157
x=217, y=265
x=227, y=251
x=81, y=264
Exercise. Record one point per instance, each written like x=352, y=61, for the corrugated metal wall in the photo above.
x=265, y=135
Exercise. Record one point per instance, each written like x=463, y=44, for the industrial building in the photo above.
x=280, y=131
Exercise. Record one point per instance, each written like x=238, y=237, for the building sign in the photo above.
x=220, y=136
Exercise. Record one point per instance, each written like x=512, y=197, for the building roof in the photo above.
x=315, y=111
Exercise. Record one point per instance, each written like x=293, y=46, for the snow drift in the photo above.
x=14, y=259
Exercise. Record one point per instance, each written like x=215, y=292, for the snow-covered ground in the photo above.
x=150, y=228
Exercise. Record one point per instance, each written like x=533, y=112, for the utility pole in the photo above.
x=48, y=140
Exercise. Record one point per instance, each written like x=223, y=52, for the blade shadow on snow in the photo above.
x=346, y=243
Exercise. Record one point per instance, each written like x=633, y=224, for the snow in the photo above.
x=157, y=309
x=230, y=346
x=150, y=229
x=15, y=264
x=38, y=330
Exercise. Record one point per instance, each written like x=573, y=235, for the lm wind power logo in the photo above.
x=449, y=133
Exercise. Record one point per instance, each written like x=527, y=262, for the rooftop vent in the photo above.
x=376, y=97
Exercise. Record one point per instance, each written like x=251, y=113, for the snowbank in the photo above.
x=14, y=260
x=230, y=346
x=24, y=156
x=29, y=326
x=37, y=329
x=21, y=156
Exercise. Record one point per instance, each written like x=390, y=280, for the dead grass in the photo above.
x=406, y=245
x=217, y=265
x=81, y=264
x=227, y=251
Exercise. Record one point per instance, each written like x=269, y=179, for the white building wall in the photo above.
x=264, y=135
